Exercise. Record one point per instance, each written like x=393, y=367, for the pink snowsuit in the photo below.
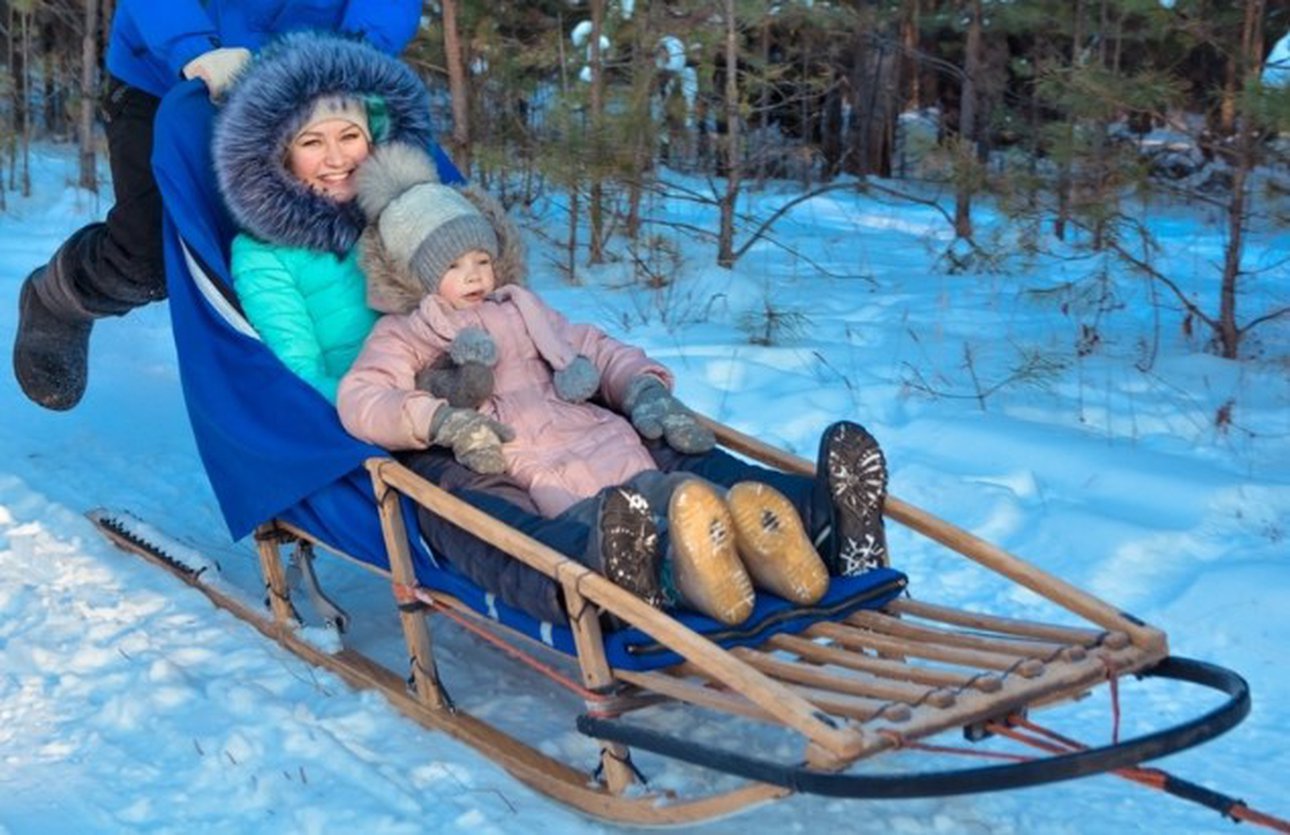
x=562, y=452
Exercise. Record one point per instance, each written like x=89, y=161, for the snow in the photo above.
x=127, y=703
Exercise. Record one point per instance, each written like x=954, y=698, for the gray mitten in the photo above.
x=657, y=414
x=476, y=440
x=465, y=386
x=463, y=376
x=577, y=381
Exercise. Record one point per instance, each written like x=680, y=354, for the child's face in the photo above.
x=468, y=280
x=326, y=155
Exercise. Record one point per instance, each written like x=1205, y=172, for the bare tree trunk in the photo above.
x=642, y=137
x=89, y=178
x=1101, y=141
x=573, y=182
x=967, y=123
x=461, y=150
x=763, y=108
x=909, y=26
x=26, y=107
x=596, y=198
x=1227, y=104
x=726, y=235
x=50, y=119
x=1250, y=60
x=15, y=106
x=1065, y=183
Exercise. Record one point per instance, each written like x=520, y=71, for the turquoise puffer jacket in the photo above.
x=309, y=306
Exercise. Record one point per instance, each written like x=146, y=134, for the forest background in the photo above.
x=1066, y=113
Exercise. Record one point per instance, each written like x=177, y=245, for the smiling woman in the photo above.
x=326, y=152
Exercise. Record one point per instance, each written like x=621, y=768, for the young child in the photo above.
x=443, y=263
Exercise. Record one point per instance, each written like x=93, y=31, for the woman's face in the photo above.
x=325, y=156
x=468, y=280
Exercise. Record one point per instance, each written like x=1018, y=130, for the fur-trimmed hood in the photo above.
x=267, y=106
x=392, y=284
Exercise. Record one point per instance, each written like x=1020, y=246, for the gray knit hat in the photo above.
x=423, y=225
x=429, y=226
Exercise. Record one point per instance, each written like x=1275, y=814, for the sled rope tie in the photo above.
x=1229, y=807
x=1051, y=742
x=423, y=599
x=625, y=759
x=899, y=741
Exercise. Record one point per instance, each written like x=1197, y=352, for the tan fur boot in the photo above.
x=705, y=563
x=774, y=545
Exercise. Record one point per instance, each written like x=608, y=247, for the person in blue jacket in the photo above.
x=112, y=267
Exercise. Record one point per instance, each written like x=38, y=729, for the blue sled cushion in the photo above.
x=631, y=649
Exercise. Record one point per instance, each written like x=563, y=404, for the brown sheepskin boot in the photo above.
x=773, y=544
x=705, y=565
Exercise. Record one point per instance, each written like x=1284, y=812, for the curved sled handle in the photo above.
x=966, y=781
x=969, y=545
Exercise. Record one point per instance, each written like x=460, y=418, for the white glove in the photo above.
x=217, y=68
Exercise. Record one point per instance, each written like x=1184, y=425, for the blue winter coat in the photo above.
x=152, y=40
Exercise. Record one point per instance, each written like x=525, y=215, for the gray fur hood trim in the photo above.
x=391, y=286
x=267, y=105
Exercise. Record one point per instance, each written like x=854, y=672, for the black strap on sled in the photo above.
x=965, y=781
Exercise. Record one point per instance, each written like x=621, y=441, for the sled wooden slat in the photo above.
x=854, y=638
x=596, y=675
x=830, y=654
x=895, y=627
x=871, y=687
x=853, y=707
x=688, y=684
x=1008, y=626
x=676, y=685
x=275, y=578
x=1060, y=681
x=415, y=632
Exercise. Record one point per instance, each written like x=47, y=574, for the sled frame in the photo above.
x=868, y=683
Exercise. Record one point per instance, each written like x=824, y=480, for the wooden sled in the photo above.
x=845, y=689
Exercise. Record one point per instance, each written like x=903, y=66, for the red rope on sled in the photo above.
x=1154, y=778
x=404, y=594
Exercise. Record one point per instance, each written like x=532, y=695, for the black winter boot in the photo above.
x=626, y=538
x=50, y=351
x=851, y=487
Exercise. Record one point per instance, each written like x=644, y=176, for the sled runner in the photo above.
x=868, y=670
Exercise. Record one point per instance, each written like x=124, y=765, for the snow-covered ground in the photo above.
x=128, y=704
